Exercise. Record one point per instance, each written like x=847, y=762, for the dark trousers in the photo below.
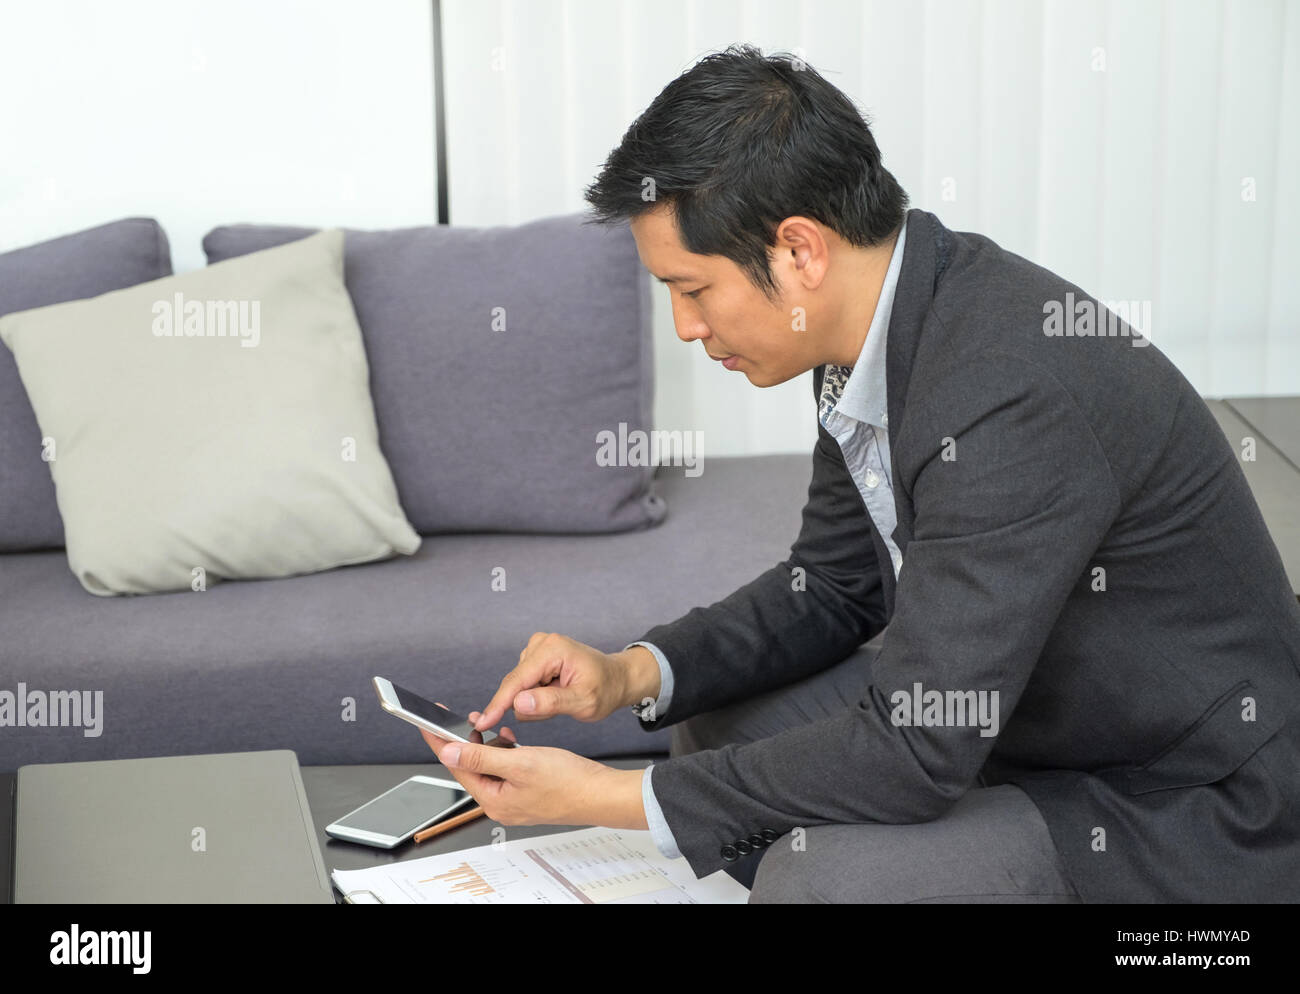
x=992, y=846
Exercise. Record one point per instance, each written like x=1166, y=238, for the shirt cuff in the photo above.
x=665, y=678
x=654, y=816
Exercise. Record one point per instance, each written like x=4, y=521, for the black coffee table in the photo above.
x=333, y=791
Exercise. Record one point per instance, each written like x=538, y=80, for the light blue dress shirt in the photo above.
x=853, y=409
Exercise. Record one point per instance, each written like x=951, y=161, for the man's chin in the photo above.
x=766, y=378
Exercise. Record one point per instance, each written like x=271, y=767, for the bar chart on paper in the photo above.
x=592, y=866
x=600, y=870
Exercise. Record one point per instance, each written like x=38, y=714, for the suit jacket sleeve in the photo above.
x=803, y=615
x=1007, y=515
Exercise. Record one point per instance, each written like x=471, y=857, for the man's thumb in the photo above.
x=476, y=758
x=543, y=702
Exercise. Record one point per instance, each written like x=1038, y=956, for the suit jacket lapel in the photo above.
x=925, y=257
x=882, y=553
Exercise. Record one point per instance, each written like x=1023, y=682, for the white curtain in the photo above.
x=1145, y=150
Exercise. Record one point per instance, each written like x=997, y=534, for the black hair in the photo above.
x=738, y=143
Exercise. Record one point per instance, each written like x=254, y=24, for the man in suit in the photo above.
x=1033, y=642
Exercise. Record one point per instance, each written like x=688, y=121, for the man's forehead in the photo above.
x=661, y=249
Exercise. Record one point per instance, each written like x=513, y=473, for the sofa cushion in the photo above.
x=213, y=425
x=84, y=264
x=497, y=357
x=287, y=663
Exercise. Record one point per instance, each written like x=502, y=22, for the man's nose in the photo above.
x=688, y=323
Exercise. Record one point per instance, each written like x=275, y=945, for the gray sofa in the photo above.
x=268, y=664
x=286, y=663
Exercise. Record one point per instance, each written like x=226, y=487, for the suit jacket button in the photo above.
x=743, y=847
x=770, y=835
x=730, y=854
x=757, y=841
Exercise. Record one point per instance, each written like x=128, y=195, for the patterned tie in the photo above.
x=833, y=380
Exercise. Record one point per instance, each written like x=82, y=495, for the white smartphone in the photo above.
x=433, y=717
x=397, y=814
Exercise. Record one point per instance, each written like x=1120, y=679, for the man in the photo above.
x=1081, y=670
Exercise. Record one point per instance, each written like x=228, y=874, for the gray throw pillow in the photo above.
x=85, y=264
x=214, y=425
x=500, y=359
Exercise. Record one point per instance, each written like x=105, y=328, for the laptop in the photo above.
x=217, y=829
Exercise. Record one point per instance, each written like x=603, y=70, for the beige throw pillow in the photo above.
x=214, y=425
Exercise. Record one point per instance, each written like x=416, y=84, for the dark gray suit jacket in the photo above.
x=1155, y=723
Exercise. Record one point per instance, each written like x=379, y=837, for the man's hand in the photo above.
x=536, y=785
x=558, y=675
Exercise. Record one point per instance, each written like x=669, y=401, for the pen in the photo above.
x=449, y=824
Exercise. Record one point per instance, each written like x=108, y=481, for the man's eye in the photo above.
x=694, y=293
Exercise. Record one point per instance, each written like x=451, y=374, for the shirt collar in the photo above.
x=858, y=392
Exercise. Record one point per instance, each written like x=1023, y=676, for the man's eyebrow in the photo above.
x=677, y=279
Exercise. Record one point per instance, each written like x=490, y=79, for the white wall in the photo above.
x=1108, y=141
x=205, y=113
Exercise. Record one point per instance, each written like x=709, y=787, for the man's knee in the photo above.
x=992, y=847
x=823, y=865
x=782, y=877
